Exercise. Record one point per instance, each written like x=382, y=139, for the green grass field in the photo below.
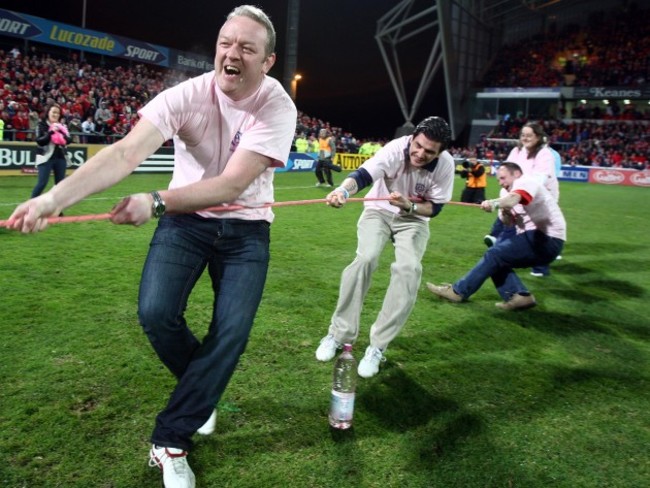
x=470, y=396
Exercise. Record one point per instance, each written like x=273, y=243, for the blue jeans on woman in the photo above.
x=530, y=248
x=236, y=254
x=44, y=169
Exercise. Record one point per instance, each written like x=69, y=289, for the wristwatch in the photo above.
x=413, y=209
x=158, y=205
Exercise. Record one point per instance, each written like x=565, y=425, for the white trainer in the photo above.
x=327, y=348
x=489, y=240
x=173, y=464
x=210, y=424
x=369, y=365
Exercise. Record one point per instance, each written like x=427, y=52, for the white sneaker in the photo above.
x=173, y=464
x=369, y=365
x=327, y=349
x=318, y=184
x=489, y=240
x=210, y=424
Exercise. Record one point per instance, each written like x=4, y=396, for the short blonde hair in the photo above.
x=258, y=15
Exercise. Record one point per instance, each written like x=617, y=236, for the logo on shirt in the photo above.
x=235, y=141
x=419, y=189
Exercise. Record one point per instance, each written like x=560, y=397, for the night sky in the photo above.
x=344, y=78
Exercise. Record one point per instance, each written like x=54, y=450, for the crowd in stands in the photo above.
x=613, y=49
x=98, y=103
x=309, y=127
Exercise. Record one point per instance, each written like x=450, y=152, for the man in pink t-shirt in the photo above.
x=230, y=128
x=540, y=235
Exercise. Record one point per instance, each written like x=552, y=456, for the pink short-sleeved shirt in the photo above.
x=391, y=172
x=207, y=127
x=542, y=211
x=542, y=166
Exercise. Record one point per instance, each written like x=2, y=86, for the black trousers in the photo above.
x=324, y=168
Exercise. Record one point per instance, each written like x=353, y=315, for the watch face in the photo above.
x=159, y=209
x=158, y=206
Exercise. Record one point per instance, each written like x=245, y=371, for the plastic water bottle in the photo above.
x=343, y=386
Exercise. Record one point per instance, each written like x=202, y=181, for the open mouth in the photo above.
x=231, y=70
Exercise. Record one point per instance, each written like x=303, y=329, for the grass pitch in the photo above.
x=557, y=396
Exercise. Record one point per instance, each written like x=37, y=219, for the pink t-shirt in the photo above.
x=390, y=172
x=207, y=127
x=542, y=166
x=542, y=211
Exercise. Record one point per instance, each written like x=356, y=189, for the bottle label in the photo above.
x=342, y=406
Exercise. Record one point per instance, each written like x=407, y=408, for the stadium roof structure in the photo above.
x=463, y=38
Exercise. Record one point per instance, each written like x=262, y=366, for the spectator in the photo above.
x=75, y=129
x=88, y=130
x=103, y=119
x=52, y=138
x=20, y=123
x=33, y=117
x=366, y=149
x=302, y=144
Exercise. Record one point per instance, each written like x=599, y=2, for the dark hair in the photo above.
x=538, y=130
x=511, y=167
x=46, y=112
x=435, y=128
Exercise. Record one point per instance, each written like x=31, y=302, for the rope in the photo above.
x=223, y=208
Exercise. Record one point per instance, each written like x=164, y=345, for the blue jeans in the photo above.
x=44, y=170
x=501, y=232
x=531, y=248
x=236, y=253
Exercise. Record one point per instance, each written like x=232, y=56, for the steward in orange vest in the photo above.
x=474, y=172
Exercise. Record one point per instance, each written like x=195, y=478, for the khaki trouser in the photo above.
x=374, y=230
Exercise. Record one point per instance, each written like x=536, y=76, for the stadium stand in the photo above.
x=613, y=48
x=29, y=81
